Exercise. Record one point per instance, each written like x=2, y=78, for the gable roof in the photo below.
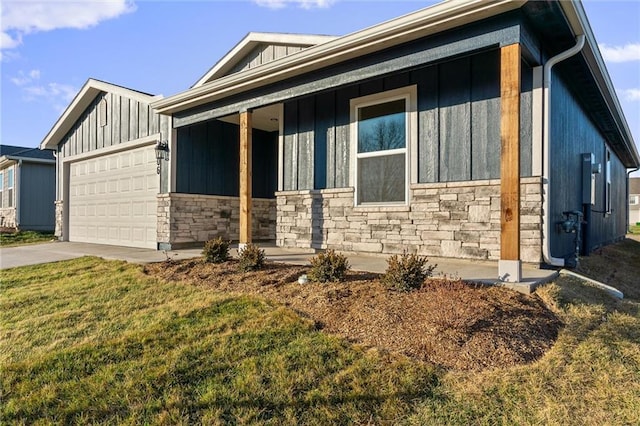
x=79, y=104
x=435, y=19
x=252, y=40
x=11, y=152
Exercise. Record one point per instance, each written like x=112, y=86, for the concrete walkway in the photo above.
x=469, y=270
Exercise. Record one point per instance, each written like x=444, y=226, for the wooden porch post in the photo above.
x=245, y=178
x=510, y=266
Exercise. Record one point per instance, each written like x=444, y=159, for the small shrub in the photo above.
x=406, y=272
x=328, y=266
x=250, y=258
x=216, y=250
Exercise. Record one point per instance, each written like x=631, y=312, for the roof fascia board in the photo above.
x=440, y=17
x=30, y=159
x=79, y=104
x=577, y=19
x=251, y=40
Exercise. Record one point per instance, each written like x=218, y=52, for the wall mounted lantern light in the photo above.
x=162, y=151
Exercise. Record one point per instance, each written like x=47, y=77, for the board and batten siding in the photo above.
x=263, y=53
x=208, y=158
x=126, y=120
x=458, y=122
x=572, y=134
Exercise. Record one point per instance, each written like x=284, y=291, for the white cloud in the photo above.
x=25, y=78
x=305, y=4
x=58, y=95
x=627, y=53
x=18, y=18
x=631, y=95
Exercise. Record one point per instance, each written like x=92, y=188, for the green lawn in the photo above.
x=634, y=229
x=94, y=341
x=24, y=237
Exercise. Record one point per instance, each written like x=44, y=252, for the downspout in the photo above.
x=546, y=82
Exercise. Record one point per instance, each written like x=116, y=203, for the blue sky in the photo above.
x=50, y=48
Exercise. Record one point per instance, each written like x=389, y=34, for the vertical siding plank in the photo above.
x=371, y=87
x=133, y=120
x=306, y=126
x=428, y=124
x=115, y=115
x=324, y=141
x=99, y=128
x=93, y=137
x=526, y=120
x=455, y=120
x=290, y=146
x=143, y=120
x=510, y=62
x=124, y=119
x=343, y=145
x=83, y=146
x=108, y=132
x=485, y=115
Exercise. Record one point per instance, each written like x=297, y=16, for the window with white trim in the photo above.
x=383, y=130
x=634, y=200
x=10, y=188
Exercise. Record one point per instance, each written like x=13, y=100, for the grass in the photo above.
x=93, y=341
x=24, y=237
x=634, y=229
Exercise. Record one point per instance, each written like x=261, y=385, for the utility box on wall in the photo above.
x=589, y=171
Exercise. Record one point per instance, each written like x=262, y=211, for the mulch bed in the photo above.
x=448, y=323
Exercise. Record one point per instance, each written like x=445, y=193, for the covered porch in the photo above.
x=223, y=180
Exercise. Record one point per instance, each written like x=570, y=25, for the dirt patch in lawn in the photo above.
x=448, y=323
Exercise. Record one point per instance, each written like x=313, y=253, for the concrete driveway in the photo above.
x=11, y=257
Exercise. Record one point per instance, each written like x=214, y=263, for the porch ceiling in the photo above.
x=265, y=118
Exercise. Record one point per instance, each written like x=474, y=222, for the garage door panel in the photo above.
x=113, y=199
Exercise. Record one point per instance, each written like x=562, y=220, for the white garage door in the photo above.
x=112, y=199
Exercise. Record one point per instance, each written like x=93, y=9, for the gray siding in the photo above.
x=459, y=125
x=208, y=160
x=263, y=53
x=37, y=195
x=127, y=120
x=573, y=133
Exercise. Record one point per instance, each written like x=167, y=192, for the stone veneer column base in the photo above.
x=189, y=219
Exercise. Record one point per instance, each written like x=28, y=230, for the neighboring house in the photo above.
x=27, y=188
x=438, y=132
x=634, y=201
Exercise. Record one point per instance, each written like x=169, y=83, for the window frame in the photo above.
x=10, y=186
x=2, y=189
x=634, y=200
x=409, y=95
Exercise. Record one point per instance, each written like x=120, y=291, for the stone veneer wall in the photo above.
x=185, y=219
x=452, y=219
x=59, y=205
x=8, y=217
